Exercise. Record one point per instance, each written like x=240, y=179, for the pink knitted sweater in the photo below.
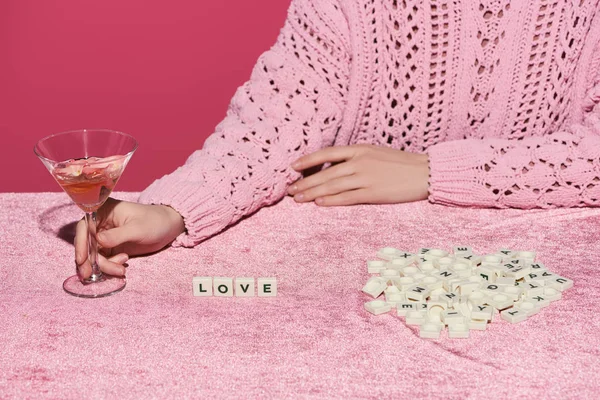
x=504, y=97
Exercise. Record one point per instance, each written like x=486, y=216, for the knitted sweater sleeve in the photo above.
x=292, y=105
x=561, y=169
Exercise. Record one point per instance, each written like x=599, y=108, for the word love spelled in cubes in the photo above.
x=205, y=286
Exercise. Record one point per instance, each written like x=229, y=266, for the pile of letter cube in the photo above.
x=462, y=291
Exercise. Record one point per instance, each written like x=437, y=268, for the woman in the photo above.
x=487, y=104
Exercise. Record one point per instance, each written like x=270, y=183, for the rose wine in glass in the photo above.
x=87, y=164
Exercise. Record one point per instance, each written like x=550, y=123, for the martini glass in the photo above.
x=87, y=164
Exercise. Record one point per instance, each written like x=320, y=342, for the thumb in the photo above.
x=113, y=237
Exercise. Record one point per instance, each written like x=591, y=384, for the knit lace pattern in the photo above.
x=503, y=96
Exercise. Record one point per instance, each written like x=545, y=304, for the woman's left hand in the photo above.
x=362, y=174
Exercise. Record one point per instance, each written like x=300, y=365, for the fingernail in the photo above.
x=78, y=272
x=319, y=201
x=299, y=197
x=293, y=189
x=295, y=165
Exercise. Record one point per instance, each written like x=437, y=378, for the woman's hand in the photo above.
x=362, y=174
x=126, y=229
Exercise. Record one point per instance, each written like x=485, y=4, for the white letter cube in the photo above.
x=244, y=287
x=430, y=330
x=374, y=286
x=267, y=287
x=203, y=285
x=223, y=287
x=377, y=307
x=513, y=315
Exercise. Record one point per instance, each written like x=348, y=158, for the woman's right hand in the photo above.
x=126, y=229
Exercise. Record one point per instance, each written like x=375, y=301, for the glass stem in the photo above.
x=90, y=219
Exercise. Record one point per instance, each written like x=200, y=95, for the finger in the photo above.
x=105, y=212
x=110, y=267
x=329, y=154
x=358, y=196
x=81, y=242
x=84, y=270
x=116, y=236
x=106, y=252
x=329, y=188
x=337, y=171
x=120, y=258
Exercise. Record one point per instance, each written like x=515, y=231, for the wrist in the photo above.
x=424, y=176
x=176, y=221
x=427, y=176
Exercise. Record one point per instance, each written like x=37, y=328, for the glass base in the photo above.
x=104, y=286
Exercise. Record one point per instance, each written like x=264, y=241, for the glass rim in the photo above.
x=128, y=154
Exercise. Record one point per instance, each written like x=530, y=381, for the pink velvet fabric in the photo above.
x=314, y=340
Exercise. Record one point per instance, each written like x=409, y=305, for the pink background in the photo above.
x=161, y=71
